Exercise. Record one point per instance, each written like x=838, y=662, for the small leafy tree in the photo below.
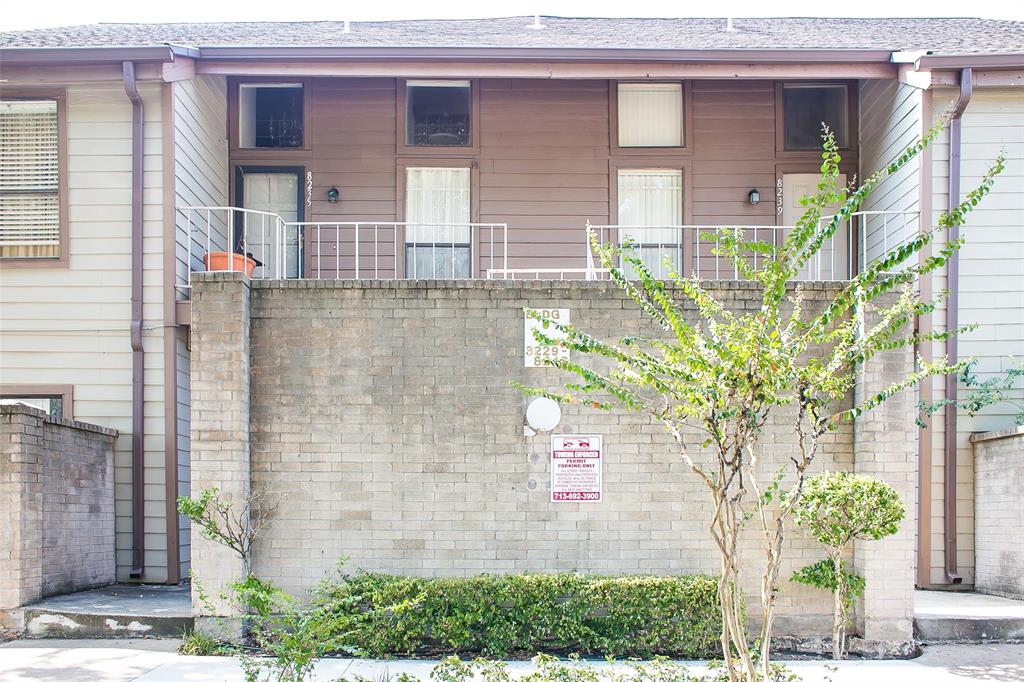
x=835, y=509
x=235, y=526
x=981, y=394
x=723, y=375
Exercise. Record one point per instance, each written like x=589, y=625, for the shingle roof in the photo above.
x=960, y=36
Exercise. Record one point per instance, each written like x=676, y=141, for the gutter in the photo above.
x=952, y=322
x=10, y=56
x=138, y=356
x=736, y=56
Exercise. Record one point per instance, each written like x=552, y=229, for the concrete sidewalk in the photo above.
x=156, y=661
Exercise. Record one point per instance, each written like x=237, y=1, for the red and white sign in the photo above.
x=576, y=468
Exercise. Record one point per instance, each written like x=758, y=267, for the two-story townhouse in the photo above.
x=466, y=149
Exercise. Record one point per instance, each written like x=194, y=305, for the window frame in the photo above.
x=63, y=260
x=63, y=391
x=852, y=137
x=234, y=111
x=686, y=149
x=401, y=164
x=402, y=148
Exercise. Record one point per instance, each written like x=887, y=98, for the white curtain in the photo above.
x=650, y=115
x=437, y=206
x=652, y=199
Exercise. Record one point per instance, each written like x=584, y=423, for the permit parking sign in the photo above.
x=576, y=468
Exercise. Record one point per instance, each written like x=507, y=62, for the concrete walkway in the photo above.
x=155, y=661
x=941, y=617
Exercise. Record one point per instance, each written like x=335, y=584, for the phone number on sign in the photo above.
x=576, y=497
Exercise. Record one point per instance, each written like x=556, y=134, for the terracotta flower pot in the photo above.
x=218, y=261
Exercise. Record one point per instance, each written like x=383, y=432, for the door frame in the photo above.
x=238, y=200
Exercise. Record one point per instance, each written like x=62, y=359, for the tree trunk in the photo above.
x=839, y=615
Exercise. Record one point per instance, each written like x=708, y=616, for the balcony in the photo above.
x=279, y=249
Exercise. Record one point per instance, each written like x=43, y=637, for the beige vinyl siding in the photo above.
x=991, y=286
x=201, y=179
x=71, y=326
x=890, y=121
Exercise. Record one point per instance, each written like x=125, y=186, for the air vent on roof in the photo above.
x=348, y=27
x=729, y=28
x=536, y=23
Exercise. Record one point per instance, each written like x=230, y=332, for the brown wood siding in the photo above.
x=545, y=163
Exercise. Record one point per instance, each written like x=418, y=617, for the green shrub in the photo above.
x=503, y=615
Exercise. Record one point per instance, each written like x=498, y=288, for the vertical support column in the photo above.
x=220, y=421
x=21, y=532
x=885, y=448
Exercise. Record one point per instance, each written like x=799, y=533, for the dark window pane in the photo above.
x=270, y=117
x=806, y=108
x=437, y=115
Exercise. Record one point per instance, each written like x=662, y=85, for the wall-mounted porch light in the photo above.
x=754, y=197
x=332, y=195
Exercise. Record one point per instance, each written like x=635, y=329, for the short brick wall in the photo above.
x=382, y=411
x=999, y=512
x=57, y=506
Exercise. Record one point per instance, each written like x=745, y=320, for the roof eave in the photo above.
x=44, y=56
x=545, y=54
x=989, y=61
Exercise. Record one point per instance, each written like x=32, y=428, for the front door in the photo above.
x=277, y=245
x=833, y=261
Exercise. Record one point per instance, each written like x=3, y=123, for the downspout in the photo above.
x=138, y=358
x=952, y=322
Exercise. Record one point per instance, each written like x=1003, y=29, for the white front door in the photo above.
x=277, y=247
x=833, y=261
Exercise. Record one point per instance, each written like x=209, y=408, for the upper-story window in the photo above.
x=650, y=114
x=438, y=113
x=806, y=106
x=270, y=115
x=30, y=212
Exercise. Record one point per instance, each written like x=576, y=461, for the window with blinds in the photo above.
x=29, y=191
x=650, y=114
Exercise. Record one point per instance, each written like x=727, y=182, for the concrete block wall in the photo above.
x=57, y=506
x=885, y=447
x=220, y=423
x=382, y=412
x=999, y=512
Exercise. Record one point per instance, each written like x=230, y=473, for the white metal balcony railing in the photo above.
x=392, y=250
x=282, y=249
x=690, y=249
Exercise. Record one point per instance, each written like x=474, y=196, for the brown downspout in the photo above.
x=138, y=358
x=952, y=322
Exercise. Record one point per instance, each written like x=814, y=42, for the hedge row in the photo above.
x=507, y=615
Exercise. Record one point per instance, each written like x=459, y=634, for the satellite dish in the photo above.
x=543, y=414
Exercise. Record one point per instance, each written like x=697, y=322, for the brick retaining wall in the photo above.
x=999, y=512
x=57, y=506
x=383, y=412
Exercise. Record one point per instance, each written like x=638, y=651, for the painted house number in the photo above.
x=309, y=189
x=778, y=196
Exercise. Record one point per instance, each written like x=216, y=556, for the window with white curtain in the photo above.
x=29, y=179
x=650, y=114
x=437, y=213
x=650, y=204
